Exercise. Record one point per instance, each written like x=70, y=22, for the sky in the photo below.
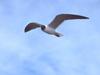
x=37, y=53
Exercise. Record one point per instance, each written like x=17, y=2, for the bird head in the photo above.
x=43, y=27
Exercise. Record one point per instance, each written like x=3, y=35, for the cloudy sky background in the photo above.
x=37, y=53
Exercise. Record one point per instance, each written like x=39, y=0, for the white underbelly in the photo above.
x=49, y=30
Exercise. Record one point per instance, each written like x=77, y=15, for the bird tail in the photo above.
x=58, y=34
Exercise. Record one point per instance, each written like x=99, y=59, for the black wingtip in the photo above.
x=82, y=17
x=86, y=17
x=26, y=30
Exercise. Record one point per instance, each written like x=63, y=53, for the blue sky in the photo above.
x=37, y=53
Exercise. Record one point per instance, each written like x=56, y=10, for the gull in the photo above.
x=50, y=28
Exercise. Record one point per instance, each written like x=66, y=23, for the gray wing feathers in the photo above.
x=60, y=18
x=31, y=26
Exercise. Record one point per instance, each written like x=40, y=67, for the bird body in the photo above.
x=50, y=29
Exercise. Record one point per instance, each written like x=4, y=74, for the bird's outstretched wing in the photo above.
x=60, y=18
x=31, y=26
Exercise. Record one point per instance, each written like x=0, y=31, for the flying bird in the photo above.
x=50, y=28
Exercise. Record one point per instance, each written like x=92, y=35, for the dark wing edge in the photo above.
x=31, y=26
x=60, y=18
